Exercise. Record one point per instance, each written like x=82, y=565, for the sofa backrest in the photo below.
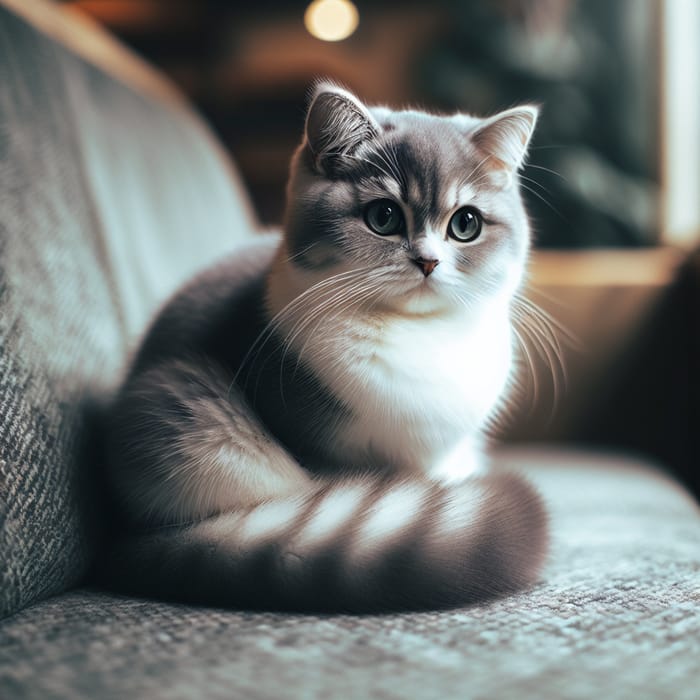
x=109, y=198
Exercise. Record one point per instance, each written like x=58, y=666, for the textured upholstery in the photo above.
x=108, y=200
x=617, y=616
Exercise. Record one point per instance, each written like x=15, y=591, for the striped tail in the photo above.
x=356, y=545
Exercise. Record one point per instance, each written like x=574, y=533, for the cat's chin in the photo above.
x=425, y=298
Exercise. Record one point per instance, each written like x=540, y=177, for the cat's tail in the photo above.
x=352, y=545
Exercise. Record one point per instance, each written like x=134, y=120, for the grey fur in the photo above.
x=224, y=445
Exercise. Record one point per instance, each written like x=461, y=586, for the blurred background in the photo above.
x=595, y=172
x=612, y=183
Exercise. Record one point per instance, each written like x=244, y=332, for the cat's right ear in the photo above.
x=337, y=124
x=506, y=136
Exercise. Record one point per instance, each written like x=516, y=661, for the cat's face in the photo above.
x=422, y=211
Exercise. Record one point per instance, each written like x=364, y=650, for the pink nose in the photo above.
x=427, y=265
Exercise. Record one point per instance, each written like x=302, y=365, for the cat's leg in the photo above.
x=185, y=445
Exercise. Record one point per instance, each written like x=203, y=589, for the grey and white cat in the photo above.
x=303, y=427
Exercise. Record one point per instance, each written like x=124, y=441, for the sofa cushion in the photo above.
x=616, y=616
x=108, y=200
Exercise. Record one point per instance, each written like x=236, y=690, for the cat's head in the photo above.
x=423, y=211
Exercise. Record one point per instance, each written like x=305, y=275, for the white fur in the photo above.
x=426, y=387
x=420, y=388
x=461, y=511
x=333, y=513
x=394, y=511
x=463, y=460
x=269, y=520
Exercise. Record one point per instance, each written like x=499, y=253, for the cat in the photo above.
x=303, y=426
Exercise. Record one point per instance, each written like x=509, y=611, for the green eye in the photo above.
x=384, y=217
x=465, y=225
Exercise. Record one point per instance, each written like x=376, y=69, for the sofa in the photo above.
x=112, y=193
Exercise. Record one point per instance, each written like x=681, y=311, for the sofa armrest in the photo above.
x=630, y=354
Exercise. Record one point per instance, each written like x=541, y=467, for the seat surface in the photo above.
x=616, y=615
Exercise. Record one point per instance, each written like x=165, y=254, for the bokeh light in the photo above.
x=331, y=20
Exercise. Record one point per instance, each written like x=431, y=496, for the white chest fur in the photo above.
x=419, y=389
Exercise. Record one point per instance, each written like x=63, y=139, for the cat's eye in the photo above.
x=384, y=217
x=465, y=225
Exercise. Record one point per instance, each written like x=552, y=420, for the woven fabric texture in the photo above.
x=616, y=616
x=99, y=221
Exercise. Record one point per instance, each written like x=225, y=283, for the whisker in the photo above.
x=278, y=318
x=543, y=332
x=352, y=299
x=571, y=339
x=467, y=180
x=534, y=182
x=303, y=251
x=377, y=166
x=543, y=199
x=531, y=366
x=472, y=181
x=321, y=299
x=547, y=170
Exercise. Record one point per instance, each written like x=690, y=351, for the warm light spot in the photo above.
x=331, y=20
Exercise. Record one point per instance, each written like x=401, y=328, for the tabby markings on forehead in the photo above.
x=379, y=188
x=431, y=193
x=415, y=191
x=392, y=188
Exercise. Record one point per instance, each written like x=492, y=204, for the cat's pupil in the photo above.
x=384, y=215
x=464, y=221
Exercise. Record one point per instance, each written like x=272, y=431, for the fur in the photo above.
x=304, y=424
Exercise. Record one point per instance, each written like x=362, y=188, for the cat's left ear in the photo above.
x=506, y=136
x=337, y=124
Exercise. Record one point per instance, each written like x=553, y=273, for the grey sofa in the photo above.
x=112, y=192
